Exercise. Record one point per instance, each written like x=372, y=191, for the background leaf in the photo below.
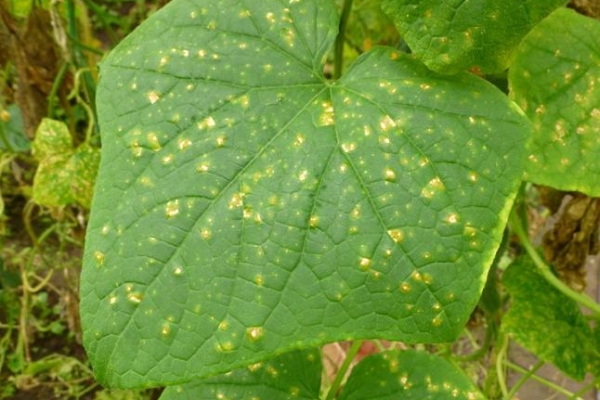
x=563, y=100
x=52, y=137
x=86, y=161
x=295, y=375
x=408, y=375
x=52, y=181
x=64, y=175
x=545, y=321
x=454, y=35
x=12, y=130
x=246, y=206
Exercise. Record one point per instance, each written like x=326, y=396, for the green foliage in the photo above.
x=40, y=243
x=546, y=322
x=409, y=375
x=22, y=8
x=454, y=35
x=249, y=209
x=64, y=175
x=281, y=210
x=555, y=79
x=12, y=132
x=295, y=375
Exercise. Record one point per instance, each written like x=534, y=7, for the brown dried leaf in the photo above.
x=573, y=238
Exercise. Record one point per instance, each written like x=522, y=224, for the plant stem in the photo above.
x=524, y=379
x=543, y=381
x=500, y=362
x=55, y=87
x=77, y=56
x=546, y=271
x=482, y=351
x=577, y=395
x=341, y=39
x=341, y=373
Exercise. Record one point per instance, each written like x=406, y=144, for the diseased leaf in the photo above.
x=247, y=206
x=295, y=375
x=52, y=181
x=64, y=175
x=52, y=137
x=545, y=321
x=86, y=161
x=555, y=78
x=453, y=35
x=408, y=375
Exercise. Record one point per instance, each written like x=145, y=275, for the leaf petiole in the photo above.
x=341, y=39
x=341, y=373
x=545, y=270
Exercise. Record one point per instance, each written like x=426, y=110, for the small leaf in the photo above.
x=64, y=175
x=450, y=36
x=545, y=321
x=408, y=375
x=52, y=181
x=240, y=191
x=12, y=131
x=555, y=79
x=52, y=137
x=295, y=375
x=67, y=178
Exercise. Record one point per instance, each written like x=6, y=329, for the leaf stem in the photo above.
x=483, y=350
x=523, y=379
x=341, y=39
x=546, y=271
x=341, y=373
x=500, y=362
x=543, y=381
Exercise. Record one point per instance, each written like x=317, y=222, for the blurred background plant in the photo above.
x=49, y=155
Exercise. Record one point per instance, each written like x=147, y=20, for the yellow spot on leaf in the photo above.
x=365, y=263
x=172, y=209
x=327, y=117
x=223, y=325
x=348, y=147
x=390, y=175
x=135, y=297
x=203, y=167
x=433, y=186
x=405, y=287
x=153, y=97
x=254, y=333
x=303, y=175
x=237, y=200
x=99, y=257
x=205, y=234
x=168, y=159
x=208, y=122
x=396, y=234
x=452, y=218
x=153, y=140
x=387, y=123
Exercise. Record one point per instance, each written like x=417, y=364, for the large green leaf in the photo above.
x=453, y=35
x=247, y=206
x=295, y=375
x=556, y=80
x=408, y=375
x=545, y=321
